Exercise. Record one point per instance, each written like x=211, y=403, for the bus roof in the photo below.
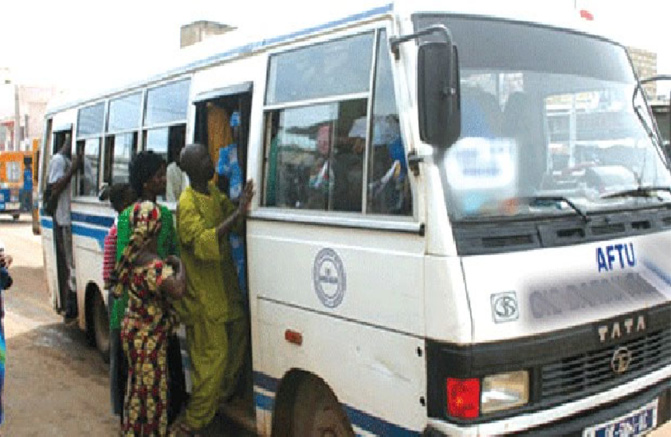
x=239, y=42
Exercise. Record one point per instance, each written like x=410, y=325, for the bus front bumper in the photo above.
x=578, y=419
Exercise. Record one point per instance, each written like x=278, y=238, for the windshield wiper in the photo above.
x=637, y=192
x=543, y=201
x=648, y=130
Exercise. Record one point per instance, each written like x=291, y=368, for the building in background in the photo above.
x=198, y=31
x=645, y=64
x=22, y=109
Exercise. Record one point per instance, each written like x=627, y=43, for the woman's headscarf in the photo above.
x=145, y=223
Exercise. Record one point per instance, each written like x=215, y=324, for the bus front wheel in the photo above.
x=317, y=412
x=16, y=216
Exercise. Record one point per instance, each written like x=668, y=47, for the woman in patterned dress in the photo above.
x=148, y=322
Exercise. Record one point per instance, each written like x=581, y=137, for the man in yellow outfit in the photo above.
x=211, y=309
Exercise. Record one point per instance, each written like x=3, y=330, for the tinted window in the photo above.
x=88, y=175
x=167, y=104
x=316, y=161
x=124, y=113
x=156, y=140
x=120, y=150
x=536, y=48
x=162, y=140
x=329, y=69
x=388, y=184
x=90, y=120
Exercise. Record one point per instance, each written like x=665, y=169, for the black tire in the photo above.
x=16, y=216
x=101, y=327
x=317, y=412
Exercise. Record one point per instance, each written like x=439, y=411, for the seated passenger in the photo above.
x=321, y=173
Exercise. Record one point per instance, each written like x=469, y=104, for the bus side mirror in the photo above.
x=438, y=96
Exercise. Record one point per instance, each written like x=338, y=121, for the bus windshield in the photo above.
x=550, y=123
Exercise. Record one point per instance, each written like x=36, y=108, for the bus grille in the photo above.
x=584, y=374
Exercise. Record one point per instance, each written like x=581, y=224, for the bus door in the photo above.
x=222, y=123
x=53, y=260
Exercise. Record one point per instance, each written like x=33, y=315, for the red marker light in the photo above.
x=293, y=337
x=587, y=15
x=463, y=398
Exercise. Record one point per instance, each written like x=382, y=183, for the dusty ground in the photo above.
x=56, y=385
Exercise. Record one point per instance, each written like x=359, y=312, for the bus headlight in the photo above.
x=504, y=391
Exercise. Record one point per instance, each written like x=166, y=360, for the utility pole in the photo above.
x=17, y=119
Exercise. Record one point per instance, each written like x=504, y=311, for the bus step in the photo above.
x=240, y=414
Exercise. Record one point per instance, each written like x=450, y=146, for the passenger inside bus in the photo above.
x=321, y=173
x=388, y=187
x=523, y=122
x=176, y=179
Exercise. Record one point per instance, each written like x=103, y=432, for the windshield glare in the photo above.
x=536, y=124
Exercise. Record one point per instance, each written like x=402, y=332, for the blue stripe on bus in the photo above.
x=98, y=220
x=263, y=402
x=376, y=425
x=82, y=231
x=266, y=382
x=357, y=417
x=657, y=271
x=97, y=234
x=219, y=57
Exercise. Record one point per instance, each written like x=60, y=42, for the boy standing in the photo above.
x=121, y=196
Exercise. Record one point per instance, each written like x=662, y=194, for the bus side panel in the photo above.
x=87, y=242
x=377, y=375
x=370, y=276
x=356, y=296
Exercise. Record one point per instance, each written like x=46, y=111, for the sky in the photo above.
x=76, y=43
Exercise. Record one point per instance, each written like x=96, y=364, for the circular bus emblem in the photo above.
x=328, y=276
x=621, y=360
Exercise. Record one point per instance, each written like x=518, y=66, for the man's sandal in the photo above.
x=181, y=429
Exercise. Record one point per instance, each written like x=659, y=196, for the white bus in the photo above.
x=416, y=264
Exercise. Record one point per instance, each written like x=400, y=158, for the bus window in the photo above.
x=388, y=185
x=164, y=141
x=165, y=119
x=121, y=141
x=119, y=150
x=88, y=174
x=167, y=103
x=90, y=123
x=316, y=152
x=13, y=171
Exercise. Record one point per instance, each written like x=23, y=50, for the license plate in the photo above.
x=636, y=423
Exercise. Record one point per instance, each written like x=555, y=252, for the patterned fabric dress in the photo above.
x=144, y=334
x=5, y=283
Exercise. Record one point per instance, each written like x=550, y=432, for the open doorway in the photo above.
x=222, y=124
x=62, y=232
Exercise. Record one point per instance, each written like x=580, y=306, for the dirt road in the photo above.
x=56, y=385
